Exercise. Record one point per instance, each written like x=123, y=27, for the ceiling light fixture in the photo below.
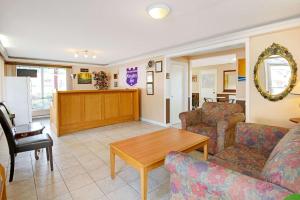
x=158, y=11
x=85, y=54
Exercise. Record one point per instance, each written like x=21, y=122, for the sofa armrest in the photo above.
x=261, y=137
x=226, y=130
x=195, y=179
x=190, y=118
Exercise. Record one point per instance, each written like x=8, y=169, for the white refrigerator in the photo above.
x=17, y=96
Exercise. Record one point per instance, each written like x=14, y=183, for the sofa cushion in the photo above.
x=211, y=132
x=283, y=165
x=212, y=112
x=240, y=158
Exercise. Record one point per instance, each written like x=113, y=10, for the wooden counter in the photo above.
x=77, y=110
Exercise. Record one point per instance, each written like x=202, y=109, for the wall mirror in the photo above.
x=275, y=72
x=229, y=80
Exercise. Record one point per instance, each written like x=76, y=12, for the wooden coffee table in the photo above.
x=148, y=152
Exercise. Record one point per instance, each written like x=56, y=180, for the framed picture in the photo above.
x=194, y=78
x=115, y=84
x=84, y=78
x=149, y=77
x=150, y=88
x=167, y=75
x=115, y=76
x=158, y=66
x=241, y=70
x=84, y=70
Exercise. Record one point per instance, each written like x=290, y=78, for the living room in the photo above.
x=99, y=100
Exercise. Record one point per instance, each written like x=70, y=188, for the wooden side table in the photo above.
x=295, y=120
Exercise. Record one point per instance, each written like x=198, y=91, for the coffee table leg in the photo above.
x=112, y=163
x=144, y=183
x=205, y=151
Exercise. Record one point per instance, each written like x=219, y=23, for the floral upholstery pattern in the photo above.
x=242, y=159
x=247, y=170
x=258, y=136
x=196, y=180
x=216, y=120
x=206, y=130
x=212, y=112
x=283, y=165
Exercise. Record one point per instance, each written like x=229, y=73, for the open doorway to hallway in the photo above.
x=215, y=75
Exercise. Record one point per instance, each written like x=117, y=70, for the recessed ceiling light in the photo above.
x=94, y=56
x=158, y=11
x=76, y=55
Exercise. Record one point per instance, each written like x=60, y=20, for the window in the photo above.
x=44, y=83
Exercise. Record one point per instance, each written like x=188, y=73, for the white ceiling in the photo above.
x=119, y=29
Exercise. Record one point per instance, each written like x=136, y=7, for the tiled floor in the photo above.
x=81, y=168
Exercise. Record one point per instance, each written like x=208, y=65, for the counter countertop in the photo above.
x=95, y=91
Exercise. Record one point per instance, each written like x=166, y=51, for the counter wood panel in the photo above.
x=78, y=110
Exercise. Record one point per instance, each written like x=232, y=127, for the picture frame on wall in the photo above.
x=194, y=78
x=84, y=78
x=115, y=76
x=150, y=83
x=158, y=66
x=167, y=75
x=150, y=88
x=149, y=77
x=115, y=84
x=84, y=70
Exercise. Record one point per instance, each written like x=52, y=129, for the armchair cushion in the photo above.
x=193, y=179
x=283, y=165
x=242, y=159
x=261, y=137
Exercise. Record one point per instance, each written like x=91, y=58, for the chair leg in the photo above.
x=12, y=167
x=51, y=157
x=36, y=154
x=47, y=152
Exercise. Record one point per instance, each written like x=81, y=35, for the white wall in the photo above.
x=152, y=106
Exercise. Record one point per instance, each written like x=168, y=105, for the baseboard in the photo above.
x=154, y=122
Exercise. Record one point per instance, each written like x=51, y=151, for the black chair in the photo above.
x=11, y=115
x=25, y=144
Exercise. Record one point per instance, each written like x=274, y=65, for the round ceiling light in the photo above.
x=158, y=11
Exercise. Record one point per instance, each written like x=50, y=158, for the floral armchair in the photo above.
x=216, y=120
x=263, y=164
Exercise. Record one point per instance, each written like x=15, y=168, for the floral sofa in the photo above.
x=216, y=120
x=264, y=163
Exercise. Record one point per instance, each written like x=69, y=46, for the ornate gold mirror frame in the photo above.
x=276, y=49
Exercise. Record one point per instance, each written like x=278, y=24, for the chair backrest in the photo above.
x=7, y=128
x=212, y=112
x=283, y=165
x=8, y=112
x=2, y=183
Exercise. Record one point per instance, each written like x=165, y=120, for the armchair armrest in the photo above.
x=204, y=180
x=261, y=137
x=226, y=130
x=190, y=118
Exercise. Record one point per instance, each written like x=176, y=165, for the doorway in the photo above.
x=208, y=85
x=179, y=90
